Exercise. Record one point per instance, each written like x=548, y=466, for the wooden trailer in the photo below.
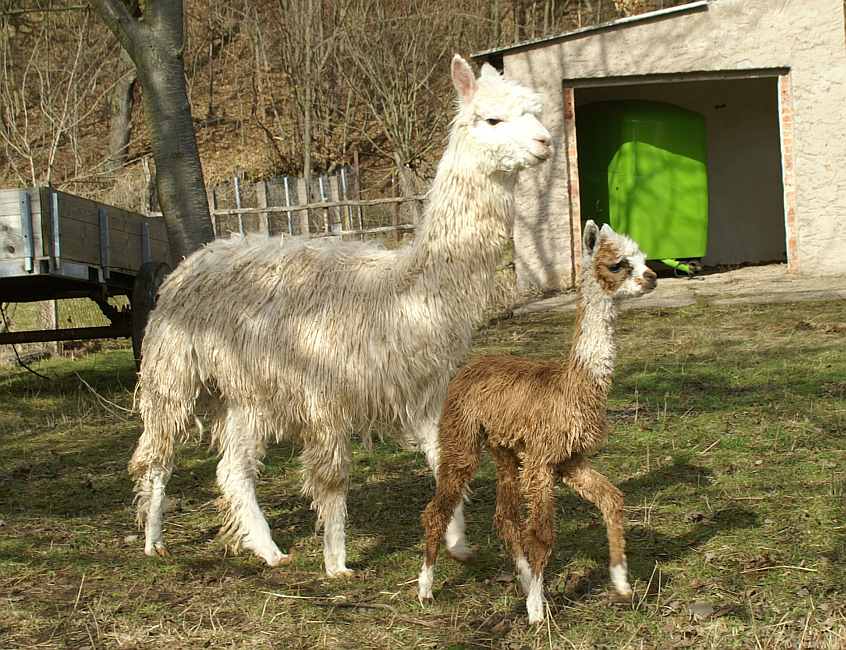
x=55, y=245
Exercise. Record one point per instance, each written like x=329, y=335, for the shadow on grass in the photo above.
x=390, y=511
x=92, y=480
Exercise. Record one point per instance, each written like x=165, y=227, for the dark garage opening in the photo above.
x=745, y=192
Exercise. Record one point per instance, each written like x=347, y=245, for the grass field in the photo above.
x=728, y=442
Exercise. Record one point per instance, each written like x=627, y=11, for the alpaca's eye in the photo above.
x=493, y=121
x=615, y=268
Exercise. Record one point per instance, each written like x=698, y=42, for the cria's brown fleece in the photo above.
x=540, y=419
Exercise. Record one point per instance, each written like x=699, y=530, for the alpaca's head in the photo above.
x=614, y=264
x=500, y=119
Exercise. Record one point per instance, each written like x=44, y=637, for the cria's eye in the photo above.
x=493, y=121
x=615, y=268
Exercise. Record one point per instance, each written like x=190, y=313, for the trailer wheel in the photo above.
x=145, y=291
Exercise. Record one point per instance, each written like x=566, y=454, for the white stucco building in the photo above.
x=769, y=77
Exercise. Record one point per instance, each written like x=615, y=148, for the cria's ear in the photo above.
x=463, y=79
x=488, y=71
x=605, y=231
x=590, y=237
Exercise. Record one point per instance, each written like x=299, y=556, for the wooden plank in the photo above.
x=125, y=244
x=12, y=244
x=125, y=250
x=11, y=239
x=80, y=241
x=128, y=222
x=77, y=208
x=9, y=202
x=261, y=200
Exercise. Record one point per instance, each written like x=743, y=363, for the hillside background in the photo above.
x=276, y=86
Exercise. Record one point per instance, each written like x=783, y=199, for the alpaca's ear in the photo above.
x=463, y=79
x=606, y=230
x=488, y=70
x=590, y=236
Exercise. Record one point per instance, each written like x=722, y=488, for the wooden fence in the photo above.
x=332, y=206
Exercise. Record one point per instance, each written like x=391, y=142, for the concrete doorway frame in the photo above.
x=785, y=127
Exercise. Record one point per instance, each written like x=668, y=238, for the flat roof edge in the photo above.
x=669, y=12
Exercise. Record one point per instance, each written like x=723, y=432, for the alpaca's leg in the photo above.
x=537, y=482
x=326, y=464
x=241, y=451
x=507, y=516
x=151, y=489
x=454, y=537
x=151, y=467
x=451, y=486
x=594, y=487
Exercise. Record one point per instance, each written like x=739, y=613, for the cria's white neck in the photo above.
x=594, y=345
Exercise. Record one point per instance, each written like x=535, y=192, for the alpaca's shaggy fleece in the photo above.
x=321, y=339
x=540, y=419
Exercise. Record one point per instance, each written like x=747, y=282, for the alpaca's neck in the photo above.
x=593, y=350
x=468, y=215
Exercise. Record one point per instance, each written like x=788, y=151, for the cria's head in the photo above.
x=501, y=118
x=614, y=263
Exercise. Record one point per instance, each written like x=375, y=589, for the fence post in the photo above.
x=321, y=187
x=304, y=194
x=212, y=207
x=261, y=201
x=343, y=193
x=356, y=179
x=335, y=195
x=396, y=194
x=237, y=184
x=288, y=204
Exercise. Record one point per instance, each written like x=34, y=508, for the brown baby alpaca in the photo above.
x=539, y=420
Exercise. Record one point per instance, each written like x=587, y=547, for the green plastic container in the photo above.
x=642, y=169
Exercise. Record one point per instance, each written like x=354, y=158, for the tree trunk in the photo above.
x=179, y=176
x=155, y=44
x=120, y=123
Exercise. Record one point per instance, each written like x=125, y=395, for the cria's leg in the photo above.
x=537, y=487
x=454, y=474
x=594, y=487
x=241, y=451
x=326, y=464
x=454, y=537
x=507, y=516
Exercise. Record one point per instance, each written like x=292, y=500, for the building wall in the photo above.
x=805, y=36
x=746, y=207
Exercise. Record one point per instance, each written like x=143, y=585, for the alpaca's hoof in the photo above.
x=280, y=560
x=157, y=550
x=535, y=602
x=536, y=616
x=343, y=572
x=624, y=597
x=462, y=553
x=619, y=578
x=424, y=583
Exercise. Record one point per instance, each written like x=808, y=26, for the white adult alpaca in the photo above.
x=318, y=340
